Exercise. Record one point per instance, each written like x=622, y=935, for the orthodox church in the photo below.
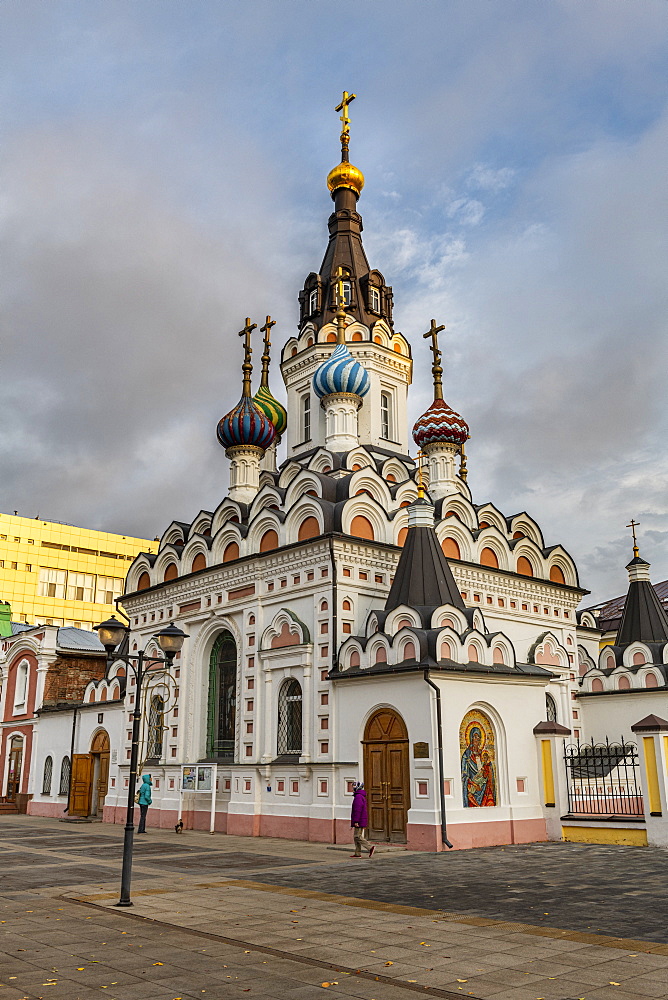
x=353, y=613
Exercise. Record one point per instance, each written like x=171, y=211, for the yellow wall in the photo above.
x=36, y=549
x=605, y=835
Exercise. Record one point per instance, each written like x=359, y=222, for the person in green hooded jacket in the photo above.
x=144, y=799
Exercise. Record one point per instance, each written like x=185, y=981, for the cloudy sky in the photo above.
x=164, y=167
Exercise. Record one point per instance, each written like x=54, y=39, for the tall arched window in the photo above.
x=290, y=717
x=550, y=708
x=306, y=417
x=48, y=774
x=156, y=727
x=222, y=714
x=386, y=416
x=64, y=786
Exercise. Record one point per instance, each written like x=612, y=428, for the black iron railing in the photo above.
x=602, y=779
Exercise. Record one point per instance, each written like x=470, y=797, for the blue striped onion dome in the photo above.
x=272, y=409
x=440, y=425
x=245, y=424
x=341, y=373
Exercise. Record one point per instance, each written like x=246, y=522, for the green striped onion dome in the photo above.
x=272, y=409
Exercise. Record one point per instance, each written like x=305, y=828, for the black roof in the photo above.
x=644, y=618
x=423, y=578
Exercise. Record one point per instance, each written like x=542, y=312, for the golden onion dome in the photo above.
x=345, y=175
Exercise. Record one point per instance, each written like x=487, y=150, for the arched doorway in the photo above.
x=15, y=768
x=90, y=777
x=386, y=775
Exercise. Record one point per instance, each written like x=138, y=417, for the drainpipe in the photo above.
x=335, y=608
x=69, y=789
x=439, y=729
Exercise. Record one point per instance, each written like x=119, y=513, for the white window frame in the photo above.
x=313, y=301
x=21, y=687
x=374, y=299
x=386, y=429
x=306, y=417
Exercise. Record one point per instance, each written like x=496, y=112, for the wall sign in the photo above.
x=420, y=750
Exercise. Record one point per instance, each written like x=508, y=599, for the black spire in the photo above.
x=644, y=618
x=368, y=298
x=423, y=578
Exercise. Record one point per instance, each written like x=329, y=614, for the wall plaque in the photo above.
x=420, y=750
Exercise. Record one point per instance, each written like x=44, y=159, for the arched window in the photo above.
x=347, y=606
x=651, y=681
x=231, y=552
x=381, y=655
x=446, y=651
x=498, y=655
x=557, y=574
x=623, y=684
x=171, y=572
x=354, y=659
x=156, y=727
x=199, y=562
x=64, y=785
x=524, y=567
x=356, y=337
x=362, y=527
x=144, y=581
x=450, y=548
x=488, y=558
x=597, y=684
x=48, y=774
x=409, y=651
x=222, y=713
x=386, y=416
x=472, y=653
x=309, y=528
x=550, y=708
x=290, y=717
x=638, y=659
x=269, y=541
x=306, y=417
x=402, y=536
x=610, y=662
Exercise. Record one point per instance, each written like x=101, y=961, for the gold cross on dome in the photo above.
x=346, y=101
x=266, y=330
x=436, y=369
x=633, y=525
x=247, y=367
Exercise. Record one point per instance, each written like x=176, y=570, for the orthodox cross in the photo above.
x=633, y=525
x=266, y=330
x=345, y=120
x=247, y=367
x=436, y=369
x=341, y=310
x=420, y=456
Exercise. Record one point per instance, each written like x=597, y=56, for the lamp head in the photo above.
x=111, y=633
x=170, y=639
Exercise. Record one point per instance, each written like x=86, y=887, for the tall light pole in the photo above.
x=170, y=639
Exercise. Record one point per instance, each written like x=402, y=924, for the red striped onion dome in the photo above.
x=440, y=425
x=246, y=424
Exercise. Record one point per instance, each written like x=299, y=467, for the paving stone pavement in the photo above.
x=210, y=934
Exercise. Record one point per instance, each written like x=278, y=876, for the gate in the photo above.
x=602, y=779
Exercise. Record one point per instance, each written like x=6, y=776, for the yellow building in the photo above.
x=56, y=574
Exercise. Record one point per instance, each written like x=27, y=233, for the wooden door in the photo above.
x=100, y=748
x=102, y=782
x=14, y=777
x=82, y=784
x=386, y=776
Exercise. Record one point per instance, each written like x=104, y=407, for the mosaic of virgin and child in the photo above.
x=478, y=771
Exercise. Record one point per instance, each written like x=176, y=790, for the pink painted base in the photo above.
x=418, y=837
x=53, y=809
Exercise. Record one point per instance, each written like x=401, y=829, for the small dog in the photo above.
x=179, y=827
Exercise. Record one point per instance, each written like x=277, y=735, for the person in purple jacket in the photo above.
x=359, y=821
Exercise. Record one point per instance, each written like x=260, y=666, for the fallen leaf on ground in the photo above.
x=158, y=963
x=389, y=963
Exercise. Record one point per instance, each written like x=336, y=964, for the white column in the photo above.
x=268, y=463
x=244, y=472
x=341, y=433
x=443, y=478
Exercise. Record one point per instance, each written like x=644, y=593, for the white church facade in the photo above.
x=352, y=613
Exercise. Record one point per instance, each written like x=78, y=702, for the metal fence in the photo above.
x=602, y=779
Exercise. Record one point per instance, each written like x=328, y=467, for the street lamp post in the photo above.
x=170, y=639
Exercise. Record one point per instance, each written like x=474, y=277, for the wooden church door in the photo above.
x=82, y=778
x=386, y=776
